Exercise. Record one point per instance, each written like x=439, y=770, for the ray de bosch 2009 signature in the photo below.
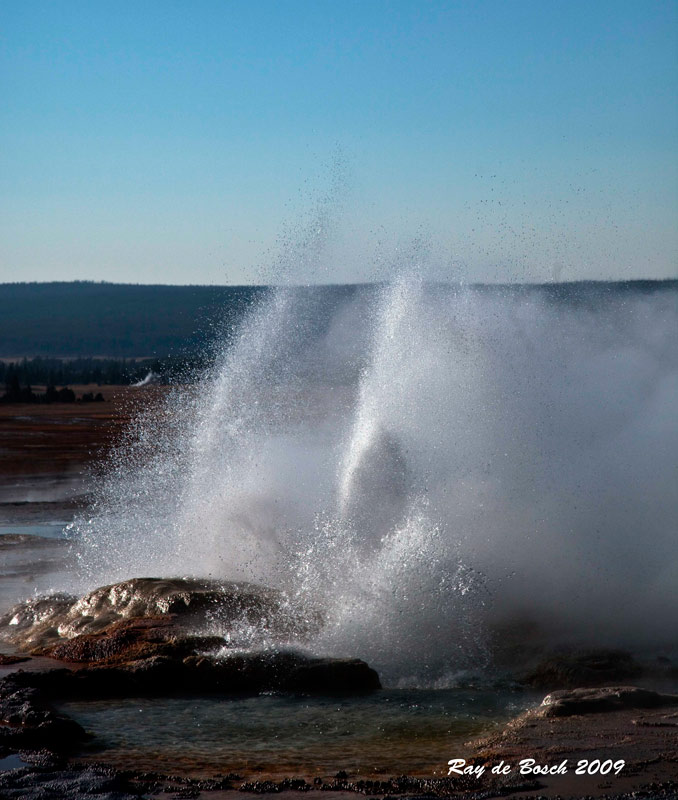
x=529, y=766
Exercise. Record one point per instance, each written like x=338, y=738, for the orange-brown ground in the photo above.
x=62, y=438
x=56, y=441
x=646, y=740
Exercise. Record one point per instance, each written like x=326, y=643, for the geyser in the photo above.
x=430, y=465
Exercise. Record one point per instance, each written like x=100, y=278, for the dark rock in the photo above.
x=161, y=675
x=583, y=668
x=6, y=661
x=569, y=702
x=136, y=638
x=131, y=640
x=75, y=783
x=26, y=624
x=332, y=676
x=191, y=604
x=43, y=758
x=404, y=786
x=261, y=787
x=27, y=722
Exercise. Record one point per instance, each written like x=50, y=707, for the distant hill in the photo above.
x=114, y=320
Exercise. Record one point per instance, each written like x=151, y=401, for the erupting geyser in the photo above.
x=429, y=465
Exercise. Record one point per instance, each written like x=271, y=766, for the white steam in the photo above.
x=424, y=463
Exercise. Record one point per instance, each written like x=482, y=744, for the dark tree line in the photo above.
x=60, y=372
x=15, y=393
x=19, y=377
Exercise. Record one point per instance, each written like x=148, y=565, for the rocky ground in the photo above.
x=643, y=738
x=136, y=638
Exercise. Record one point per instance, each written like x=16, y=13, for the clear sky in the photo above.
x=194, y=141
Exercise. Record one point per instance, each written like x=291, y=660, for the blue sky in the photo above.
x=210, y=142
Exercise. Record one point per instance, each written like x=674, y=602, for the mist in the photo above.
x=429, y=465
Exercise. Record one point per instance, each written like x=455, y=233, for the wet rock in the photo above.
x=282, y=671
x=131, y=640
x=27, y=722
x=332, y=676
x=583, y=668
x=402, y=786
x=192, y=605
x=569, y=702
x=75, y=783
x=25, y=624
x=46, y=778
x=241, y=673
x=6, y=660
x=139, y=637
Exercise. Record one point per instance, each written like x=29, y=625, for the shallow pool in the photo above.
x=391, y=732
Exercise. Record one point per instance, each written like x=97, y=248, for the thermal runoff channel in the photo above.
x=426, y=469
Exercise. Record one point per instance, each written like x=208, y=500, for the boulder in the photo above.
x=151, y=636
x=332, y=676
x=569, y=702
x=7, y=660
x=569, y=670
x=237, y=673
x=28, y=722
x=130, y=640
x=233, y=609
x=35, y=621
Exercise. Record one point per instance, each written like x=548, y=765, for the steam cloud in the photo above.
x=427, y=464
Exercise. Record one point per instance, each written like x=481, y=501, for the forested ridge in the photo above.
x=86, y=320
x=112, y=320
